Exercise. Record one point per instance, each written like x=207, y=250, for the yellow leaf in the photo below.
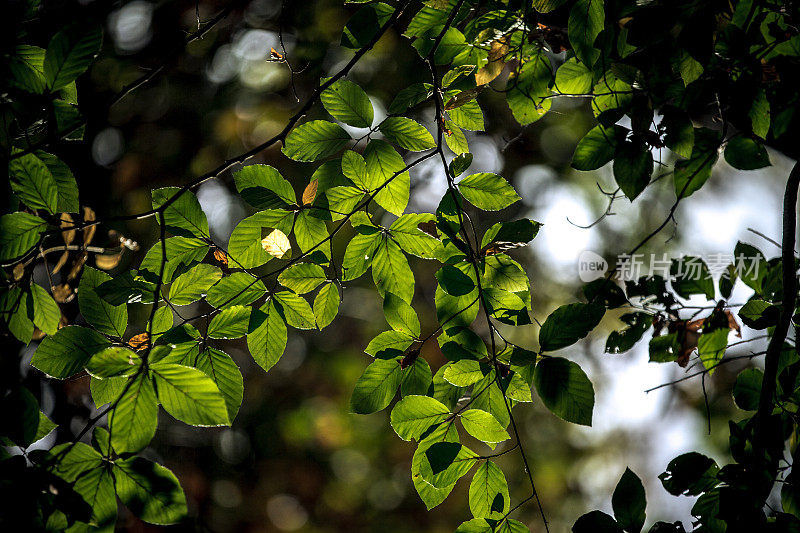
x=277, y=244
x=497, y=60
x=310, y=193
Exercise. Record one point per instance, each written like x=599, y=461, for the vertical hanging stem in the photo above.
x=765, y=401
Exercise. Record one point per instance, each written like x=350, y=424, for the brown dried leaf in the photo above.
x=139, y=342
x=310, y=192
x=108, y=261
x=18, y=272
x=492, y=69
x=463, y=97
x=88, y=233
x=63, y=293
x=274, y=55
x=77, y=265
x=221, y=257
x=67, y=234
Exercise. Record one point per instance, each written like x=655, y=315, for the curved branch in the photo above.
x=765, y=400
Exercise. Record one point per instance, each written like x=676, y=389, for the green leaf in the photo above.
x=460, y=342
x=622, y=341
x=26, y=69
x=488, y=492
x=400, y=315
x=226, y=376
x=134, y=419
x=312, y=233
x=355, y=169
x=19, y=233
x=511, y=234
x=359, y=254
x=429, y=494
x=409, y=97
x=760, y=114
x=343, y=200
x=414, y=415
x=476, y=525
x=69, y=54
x=597, y=147
x=463, y=373
x=483, y=426
x=326, y=305
x=573, y=78
x=546, y=6
x=376, y=387
x=445, y=463
x=454, y=281
x=690, y=275
x=747, y=389
x=711, y=348
x=21, y=428
x=66, y=351
x=33, y=183
x=689, y=68
x=758, y=314
x=109, y=319
x=390, y=271
x=240, y=288
x=302, y=277
x=96, y=486
x=348, y=102
x=182, y=254
x=46, y=313
x=315, y=140
x=407, y=232
x=386, y=169
x=295, y=310
x=44, y=428
x=505, y=306
x=488, y=191
x=633, y=166
x=245, y=248
x=364, y=24
x=417, y=378
x=65, y=182
x=689, y=474
x=263, y=187
x=407, y=133
x=691, y=175
x=189, y=395
x=192, y=285
x=679, y=133
x=389, y=344
x=526, y=93
x=629, y=502
x=183, y=217
x=112, y=362
x=586, y=20
x=596, y=522
x=568, y=324
x=565, y=389
x=17, y=306
x=230, y=323
x=106, y=390
x=459, y=164
x=744, y=153
x=455, y=138
x=267, y=337
x=468, y=116
x=149, y=490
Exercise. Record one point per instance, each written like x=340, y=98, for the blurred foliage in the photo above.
x=178, y=89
